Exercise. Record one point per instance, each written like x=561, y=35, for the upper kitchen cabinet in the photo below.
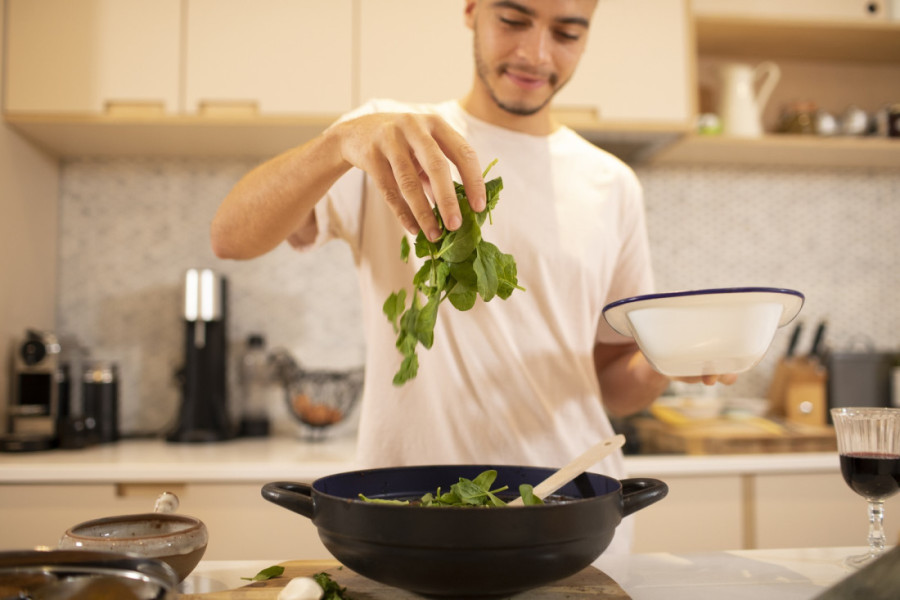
x=637, y=67
x=271, y=57
x=633, y=92
x=414, y=51
x=90, y=56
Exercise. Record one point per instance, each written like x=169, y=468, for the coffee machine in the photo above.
x=203, y=415
x=39, y=393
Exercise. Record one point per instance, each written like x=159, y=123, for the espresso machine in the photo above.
x=39, y=393
x=203, y=415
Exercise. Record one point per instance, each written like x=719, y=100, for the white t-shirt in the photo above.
x=509, y=381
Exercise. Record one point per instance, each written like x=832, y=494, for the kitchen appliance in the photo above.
x=100, y=400
x=39, y=393
x=203, y=415
x=462, y=552
x=740, y=103
x=860, y=378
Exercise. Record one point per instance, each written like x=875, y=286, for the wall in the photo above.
x=130, y=227
x=28, y=240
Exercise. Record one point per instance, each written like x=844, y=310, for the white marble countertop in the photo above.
x=784, y=574
x=285, y=458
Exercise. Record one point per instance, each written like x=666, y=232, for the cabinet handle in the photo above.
x=139, y=109
x=228, y=108
x=149, y=490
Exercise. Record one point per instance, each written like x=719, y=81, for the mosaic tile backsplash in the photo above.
x=131, y=227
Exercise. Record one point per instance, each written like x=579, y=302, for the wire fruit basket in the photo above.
x=317, y=399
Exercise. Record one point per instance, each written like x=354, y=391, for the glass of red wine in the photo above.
x=868, y=442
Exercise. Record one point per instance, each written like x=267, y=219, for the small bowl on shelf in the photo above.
x=705, y=332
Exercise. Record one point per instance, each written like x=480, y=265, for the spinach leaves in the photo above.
x=467, y=492
x=330, y=588
x=460, y=266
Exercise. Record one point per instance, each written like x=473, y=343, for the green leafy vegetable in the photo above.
x=332, y=591
x=461, y=266
x=466, y=492
x=266, y=574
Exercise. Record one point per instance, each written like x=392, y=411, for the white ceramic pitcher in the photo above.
x=741, y=104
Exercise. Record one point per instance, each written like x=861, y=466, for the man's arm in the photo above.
x=405, y=154
x=627, y=381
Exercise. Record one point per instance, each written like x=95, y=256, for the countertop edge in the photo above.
x=287, y=459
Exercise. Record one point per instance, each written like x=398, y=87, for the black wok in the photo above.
x=463, y=552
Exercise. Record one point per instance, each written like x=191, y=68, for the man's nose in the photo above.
x=535, y=46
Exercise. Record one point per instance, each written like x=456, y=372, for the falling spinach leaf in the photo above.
x=266, y=574
x=460, y=266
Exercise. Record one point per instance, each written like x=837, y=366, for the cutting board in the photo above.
x=732, y=436
x=590, y=582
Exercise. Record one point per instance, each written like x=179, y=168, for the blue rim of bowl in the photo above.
x=708, y=292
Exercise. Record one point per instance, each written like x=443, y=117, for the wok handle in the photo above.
x=641, y=492
x=296, y=497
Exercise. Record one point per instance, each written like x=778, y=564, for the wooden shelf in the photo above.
x=784, y=150
x=865, y=41
x=102, y=135
x=636, y=143
x=262, y=136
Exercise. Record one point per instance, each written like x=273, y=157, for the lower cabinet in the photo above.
x=791, y=510
x=699, y=513
x=242, y=525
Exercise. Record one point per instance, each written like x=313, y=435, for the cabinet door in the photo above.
x=815, y=509
x=637, y=64
x=279, y=56
x=414, y=51
x=72, y=56
x=242, y=526
x=699, y=514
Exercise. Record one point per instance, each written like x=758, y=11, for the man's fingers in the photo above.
x=461, y=154
x=383, y=176
x=410, y=186
x=433, y=167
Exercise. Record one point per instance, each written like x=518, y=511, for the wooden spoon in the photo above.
x=582, y=463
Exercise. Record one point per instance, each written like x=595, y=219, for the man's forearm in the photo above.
x=627, y=381
x=275, y=198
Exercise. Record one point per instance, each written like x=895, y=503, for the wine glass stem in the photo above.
x=876, y=527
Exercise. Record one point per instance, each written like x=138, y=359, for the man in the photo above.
x=516, y=381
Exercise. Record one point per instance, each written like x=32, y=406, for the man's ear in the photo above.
x=470, y=13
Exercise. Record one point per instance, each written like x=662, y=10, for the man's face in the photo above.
x=526, y=50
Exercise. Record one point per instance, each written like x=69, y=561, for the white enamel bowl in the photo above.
x=705, y=332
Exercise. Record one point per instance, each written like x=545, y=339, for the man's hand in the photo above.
x=406, y=156
x=629, y=383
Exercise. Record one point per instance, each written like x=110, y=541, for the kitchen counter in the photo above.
x=795, y=574
x=283, y=458
x=743, y=499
